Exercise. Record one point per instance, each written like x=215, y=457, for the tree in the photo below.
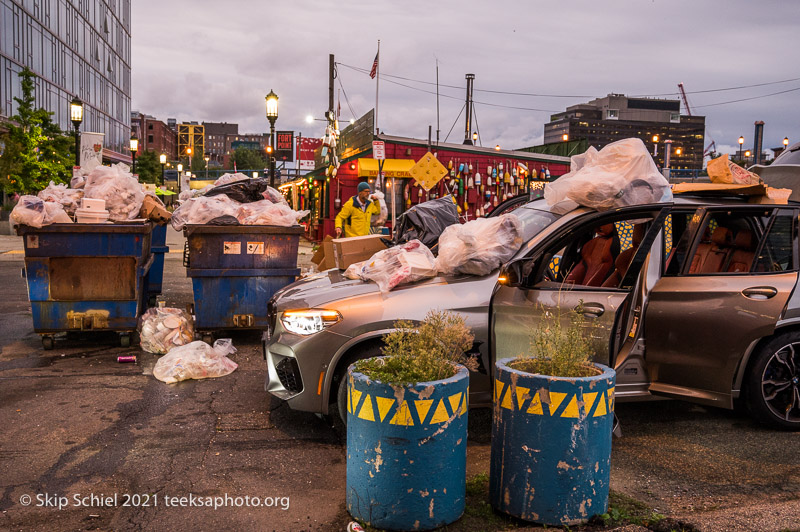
x=198, y=164
x=148, y=167
x=36, y=150
x=247, y=159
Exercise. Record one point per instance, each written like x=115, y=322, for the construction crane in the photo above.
x=712, y=146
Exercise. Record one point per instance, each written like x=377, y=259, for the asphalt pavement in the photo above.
x=77, y=424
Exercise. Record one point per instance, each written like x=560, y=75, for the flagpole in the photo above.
x=377, y=85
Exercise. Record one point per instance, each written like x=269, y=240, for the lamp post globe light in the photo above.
x=180, y=168
x=163, y=160
x=206, y=159
x=76, y=116
x=785, y=142
x=272, y=116
x=741, y=144
x=134, y=149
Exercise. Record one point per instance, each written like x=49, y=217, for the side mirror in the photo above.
x=512, y=273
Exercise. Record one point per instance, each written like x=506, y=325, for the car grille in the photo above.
x=289, y=375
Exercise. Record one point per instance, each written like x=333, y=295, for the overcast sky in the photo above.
x=207, y=60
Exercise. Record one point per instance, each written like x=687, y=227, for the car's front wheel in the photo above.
x=773, y=384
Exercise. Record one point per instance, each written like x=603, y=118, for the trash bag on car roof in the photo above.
x=426, y=221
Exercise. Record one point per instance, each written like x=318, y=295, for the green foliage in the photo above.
x=423, y=353
x=148, y=168
x=624, y=510
x=561, y=345
x=198, y=165
x=247, y=159
x=36, y=152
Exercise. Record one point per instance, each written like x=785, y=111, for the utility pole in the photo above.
x=331, y=76
x=468, y=127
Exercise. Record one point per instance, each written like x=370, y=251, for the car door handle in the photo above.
x=760, y=292
x=590, y=310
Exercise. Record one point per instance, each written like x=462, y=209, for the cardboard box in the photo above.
x=154, y=210
x=323, y=257
x=346, y=251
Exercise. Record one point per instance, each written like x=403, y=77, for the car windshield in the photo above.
x=533, y=219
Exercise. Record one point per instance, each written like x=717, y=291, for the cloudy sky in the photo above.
x=207, y=60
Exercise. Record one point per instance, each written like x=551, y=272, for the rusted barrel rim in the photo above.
x=606, y=372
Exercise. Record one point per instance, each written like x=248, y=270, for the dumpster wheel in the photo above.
x=125, y=340
x=48, y=342
x=208, y=338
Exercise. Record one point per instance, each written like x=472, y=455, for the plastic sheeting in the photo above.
x=117, y=186
x=202, y=210
x=480, y=246
x=196, y=360
x=248, y=191
x=622, y=173
x=224, y=179
x=36, y=212
x=426, y=221
x=398, y=265
x=164, y=328
x=69, y=198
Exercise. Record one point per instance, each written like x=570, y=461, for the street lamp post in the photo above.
x=785, y=142
x=272, y=116
x=189, y=156
x=134, y=149
x=741, y=144
x=655, y=146
x=76, y=115
x=163, y=160
x=206, y=158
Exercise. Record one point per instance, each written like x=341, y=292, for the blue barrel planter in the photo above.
x=551, y=445
x=406, y=451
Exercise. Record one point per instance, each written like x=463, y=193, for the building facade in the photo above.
x=251, y=141
x=154, y=135
x=216, y=134
x=616, y=117
x=76, y=48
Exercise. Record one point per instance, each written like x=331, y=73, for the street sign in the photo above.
x=378, y=149
x=284, y=144
x=428, y=171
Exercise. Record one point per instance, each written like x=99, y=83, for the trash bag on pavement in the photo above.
x=196, y=360
x=426, y=221
x=117, y=186
x=394, y=266
x=622, y=173
x=164, y=328
x=69, y=198
x=35, y=212
x=480, y=246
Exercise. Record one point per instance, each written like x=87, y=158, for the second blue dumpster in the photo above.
x=235, y=270
x=155, y=276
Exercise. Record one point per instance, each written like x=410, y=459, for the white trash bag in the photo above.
x=265, y=212
x=35, y=212
x=164, y=328
x=480, y=246
x=398, y=265
x=622, y=173
x=202, y=210
x=117, y=186
x=224, y=179
x=196, y=360
x=69, y=198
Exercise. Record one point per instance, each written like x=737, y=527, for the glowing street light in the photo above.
x=565, y=137
x=272, y=116
x=134, y=149
x=741, y=144
x=76, y=116
x=163, y=160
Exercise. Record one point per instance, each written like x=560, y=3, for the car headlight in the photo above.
x=309, y=321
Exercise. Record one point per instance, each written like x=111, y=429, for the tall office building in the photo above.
x=76, y=48
x=616, y=117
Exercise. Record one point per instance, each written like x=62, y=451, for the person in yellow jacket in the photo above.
x=356, y=213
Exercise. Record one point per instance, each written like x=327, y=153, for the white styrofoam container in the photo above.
x=88, y=216
x=94, y=205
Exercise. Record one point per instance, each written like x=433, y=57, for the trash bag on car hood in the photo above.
x=426, y=221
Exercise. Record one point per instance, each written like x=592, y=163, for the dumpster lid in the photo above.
x=129, y=226
x=243, y=229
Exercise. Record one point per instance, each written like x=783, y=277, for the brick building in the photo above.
x=216, y=135
x=154, y=135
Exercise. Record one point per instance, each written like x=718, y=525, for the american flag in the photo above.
x=374, y=71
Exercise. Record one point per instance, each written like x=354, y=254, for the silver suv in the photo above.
x=692, y=300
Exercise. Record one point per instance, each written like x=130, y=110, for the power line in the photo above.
x=747, y=99
x=346, y=99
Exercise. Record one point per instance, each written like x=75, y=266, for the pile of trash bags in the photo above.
x=237, y=202
x=162, y=329
x=480, y=246
x=69, y=198
x=196, y=360
x=426, y=221
x=121, y=191
x=622, y=173
x=36, y=212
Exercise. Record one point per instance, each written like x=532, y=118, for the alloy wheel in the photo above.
x=780, y=383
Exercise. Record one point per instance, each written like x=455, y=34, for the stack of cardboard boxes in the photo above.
x=342, y=252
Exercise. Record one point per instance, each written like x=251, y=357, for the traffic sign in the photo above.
x=428, y=171
x=378, y=149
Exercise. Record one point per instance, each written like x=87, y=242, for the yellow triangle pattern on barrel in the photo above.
x=440, y=415
x=384, y=405
x=611, y=399
x=367, y=413
x=589, y=399
x=455, y=401
x=355, y=397
x=402, y=416
x=602, y=406
x=423, y=407
x=536, y=405
x=572, y=408
x=521, y=393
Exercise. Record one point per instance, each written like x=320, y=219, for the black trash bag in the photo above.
x=246, y=191
x=426, y=221
x=223, y=220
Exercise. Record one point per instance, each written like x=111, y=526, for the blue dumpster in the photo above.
x=235, y=270
x=86, y=277
x=155, y=277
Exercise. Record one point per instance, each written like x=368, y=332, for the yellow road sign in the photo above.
x=428, y=171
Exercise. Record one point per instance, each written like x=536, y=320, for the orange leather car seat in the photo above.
x=711, y=257
x=596, y=259
x=743, y=252
x=623, y=261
